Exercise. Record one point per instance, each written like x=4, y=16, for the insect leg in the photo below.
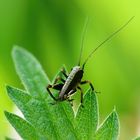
x=87, y=82
x=66, y=96
x=71, y=91
x=81, y=94
x=57, y=86
x=70, y=101
x=64, y=72
x=48, y=89
x=59, y=78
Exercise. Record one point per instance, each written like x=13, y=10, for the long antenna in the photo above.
x=82, y=39
x=108, y=38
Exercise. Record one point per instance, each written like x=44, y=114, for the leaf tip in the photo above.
x=114, y=109
x=8, y=88
x=6, y=113
x=17, y=50
x=114, y=113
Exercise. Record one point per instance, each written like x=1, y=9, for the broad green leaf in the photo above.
x=109, y=130
x=35, y=81
x=30, y=72
x=35, y=112
x=49, y=120
x=87, y=117
x=56, y=122
x=63, y=125
x=26, y=131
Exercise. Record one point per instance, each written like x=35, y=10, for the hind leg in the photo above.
x=87, y=82
x=55, y=86
x=81, y=91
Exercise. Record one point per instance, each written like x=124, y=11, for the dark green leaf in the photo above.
x=35, y=81
x=30, y=72
x=51, y=121
x=87, y=117
x=54, y=122
x=26, y=131
x=109, y=130
x=34, y=110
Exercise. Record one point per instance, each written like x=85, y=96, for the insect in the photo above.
x=73, y=80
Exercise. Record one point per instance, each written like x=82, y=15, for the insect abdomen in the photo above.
x=72, y=81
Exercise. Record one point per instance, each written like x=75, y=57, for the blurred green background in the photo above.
x=51, y=30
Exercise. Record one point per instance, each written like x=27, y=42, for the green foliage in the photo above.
x=109, y=129
x=22, y=127
x=86, y=120
x=54, y=122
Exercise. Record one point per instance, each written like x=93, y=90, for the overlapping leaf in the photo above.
x=26, y=131
x=36, y=110
x=109, y=130
x=87, y=117
x=53, y=122
x=30, y=72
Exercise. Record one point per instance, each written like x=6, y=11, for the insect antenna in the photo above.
x=83, y=38
x=108, y=38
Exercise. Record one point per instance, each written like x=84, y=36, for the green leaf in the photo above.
x=49, y=122
x=26, y=131
x=30, y=72
x=64, y=126
x=38, y=110
x=109, y=130
x=54, y=122
x=34, y=110
x=87, y=117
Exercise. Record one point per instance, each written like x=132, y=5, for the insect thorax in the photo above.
x=75, y=74
x=72, y=81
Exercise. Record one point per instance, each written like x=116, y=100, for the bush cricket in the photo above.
x=73, y=80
